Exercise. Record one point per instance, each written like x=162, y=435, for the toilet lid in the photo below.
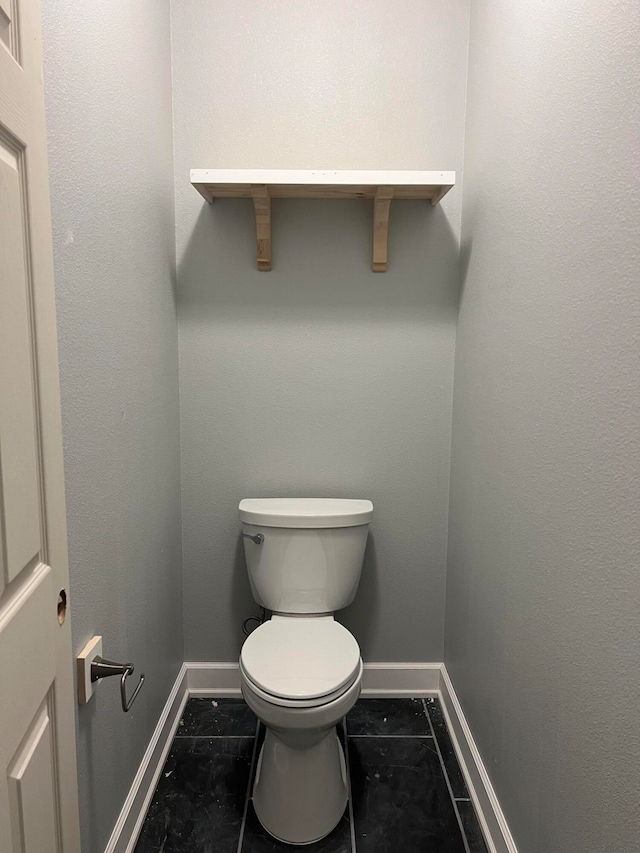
x=305, y=512
x=300, y=658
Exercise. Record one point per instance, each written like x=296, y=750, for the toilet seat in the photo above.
x=308, y=704
x=300, y=661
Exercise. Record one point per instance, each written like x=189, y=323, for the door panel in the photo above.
x=32, y=802
x=18, y=455
x=28, y=665
x=9, y=27
x=38, y=781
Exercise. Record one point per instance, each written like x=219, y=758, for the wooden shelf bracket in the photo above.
x=381, y=187
x=381, y=206
x=262, y=209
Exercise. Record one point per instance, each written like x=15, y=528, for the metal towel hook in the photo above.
x=101, y=668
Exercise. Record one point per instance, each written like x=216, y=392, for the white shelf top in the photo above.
x=328, y=177
x=321, y=183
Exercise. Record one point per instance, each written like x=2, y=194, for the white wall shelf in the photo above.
x=261, y=185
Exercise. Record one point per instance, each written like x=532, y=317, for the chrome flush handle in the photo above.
x=258, y=538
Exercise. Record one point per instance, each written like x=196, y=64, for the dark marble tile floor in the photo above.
x=407, y=790
x=447, y=752
x=396, y=717
x=217, y=718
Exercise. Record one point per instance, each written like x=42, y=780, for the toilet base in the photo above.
x=300, y=792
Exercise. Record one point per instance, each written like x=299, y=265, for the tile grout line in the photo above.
x=352, y=826
x=404, y=737
x=249, y=783
x=214, y=737
x=446, y=778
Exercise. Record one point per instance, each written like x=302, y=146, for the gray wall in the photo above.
x=543, y=591
x=320, y=377
x=108, y=80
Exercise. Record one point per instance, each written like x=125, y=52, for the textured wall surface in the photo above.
x=543, y=590
x=108, y=80
x=320, y=377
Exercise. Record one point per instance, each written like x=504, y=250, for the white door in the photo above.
x=38, y=787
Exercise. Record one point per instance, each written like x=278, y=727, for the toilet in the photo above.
x=301, y=671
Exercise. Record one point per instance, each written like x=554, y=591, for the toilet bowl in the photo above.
x=300, y=676
x=301, y=671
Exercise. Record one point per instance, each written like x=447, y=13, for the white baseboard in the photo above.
x=217, y=680
x=125, y=832
x=491, y=817
x=379, y=679
x=220, y=680
x=400, y=679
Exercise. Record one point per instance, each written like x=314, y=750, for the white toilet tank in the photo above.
x=305, y=554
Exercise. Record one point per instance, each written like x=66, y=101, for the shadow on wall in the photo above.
x=465, y=260
x=85, y=726
x=360, y=623
x=321, y=260
x=318, y=378
x=242, y=604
